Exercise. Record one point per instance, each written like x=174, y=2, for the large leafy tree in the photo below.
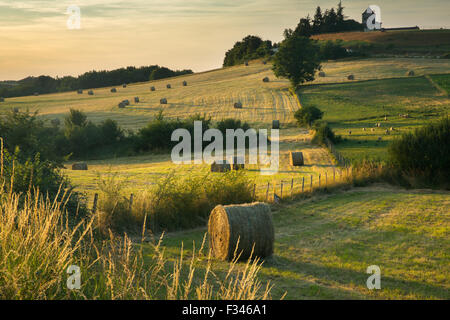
x=297, y=59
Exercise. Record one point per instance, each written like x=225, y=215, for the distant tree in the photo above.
x=297, y=59
x=251, y=47
x=318, y=20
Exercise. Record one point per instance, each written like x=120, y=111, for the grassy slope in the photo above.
x=424, y=42
x=353, y=106
x=323, y=246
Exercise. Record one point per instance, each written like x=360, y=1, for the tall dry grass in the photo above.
x=37, y=245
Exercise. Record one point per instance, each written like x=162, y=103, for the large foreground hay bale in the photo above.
x=238, y=163
x=276, y=124
x=80, y=166
x=266, y=79
x=241, y=229
x=163, y=101
x=220, y=166
x=351, y=77
x=238, y=105
x=296, y=159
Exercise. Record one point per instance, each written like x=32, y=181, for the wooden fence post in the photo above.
x=131, y=202
x=292, y=186
x=281, y=191
x=94, y=205
x=310, y=187
x=303, y=184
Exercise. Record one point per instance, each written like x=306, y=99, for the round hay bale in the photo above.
x=246, y=63
x=126, y=102
x=80, y=91
x=80, y=166
x=184, y=83
x=238, y=105
x=220, y=166
x=55, y=122
x=351, y=77
x=276, y=124
x=124, y=85
x=264, y=62
x=121, y=105
x=238, y=163
x=90, y=92
x=241, y=231
x=372, y=129
x=152, y=89
x=163, y=101
x=266, y=79
x=136, y=99
x=321, y=74
x=296, y=159
x=169, y=86
x=36, y=93
x=16, y=110
x=350, y=132
x=364, y=129
x=113, y=90
x=411, y=73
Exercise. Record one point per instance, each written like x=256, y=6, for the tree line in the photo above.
x=92, y=79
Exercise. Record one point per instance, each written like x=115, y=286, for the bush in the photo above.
x=424, y=154
x=305, y=116
x=174, y=203
x=324, y=132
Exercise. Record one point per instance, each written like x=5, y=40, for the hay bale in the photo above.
x=80, y=166
x=321, y=74
x=121, y=105
x=351, y=77
x=126, y=102
x=16, y=110
x=163, y=101
x=350, y=132
x=152, y=89
x=90, y=92
x=80, y=91
x=266, y=79
x=169, y=86
x=136, y=99
x=296, y=159
x=36, y=93
x=113, y=90
x=411, y=73
x=276, y=124
x=55, y=122
x=184, y=83
x=238, y=163
x=246, y=63
x=241, y=229
x=364, y=129
x=264, y=62
x=238, y=105
x=220, y=166
x=124, y=85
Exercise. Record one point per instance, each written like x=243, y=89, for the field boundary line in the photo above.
x=437, y=86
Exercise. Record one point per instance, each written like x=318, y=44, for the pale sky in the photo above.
x=179, y=34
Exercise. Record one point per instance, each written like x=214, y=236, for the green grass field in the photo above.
x=324, y=245
x=354, y=108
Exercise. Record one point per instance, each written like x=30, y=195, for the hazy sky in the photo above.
x=191, y=34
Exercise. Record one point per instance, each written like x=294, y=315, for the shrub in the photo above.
x=424, y=153
x=305, y=116
x=324, y=132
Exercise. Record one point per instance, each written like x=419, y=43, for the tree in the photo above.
x=318, y=20
x=297, y=59
x=251, y=47
x=307, y=115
